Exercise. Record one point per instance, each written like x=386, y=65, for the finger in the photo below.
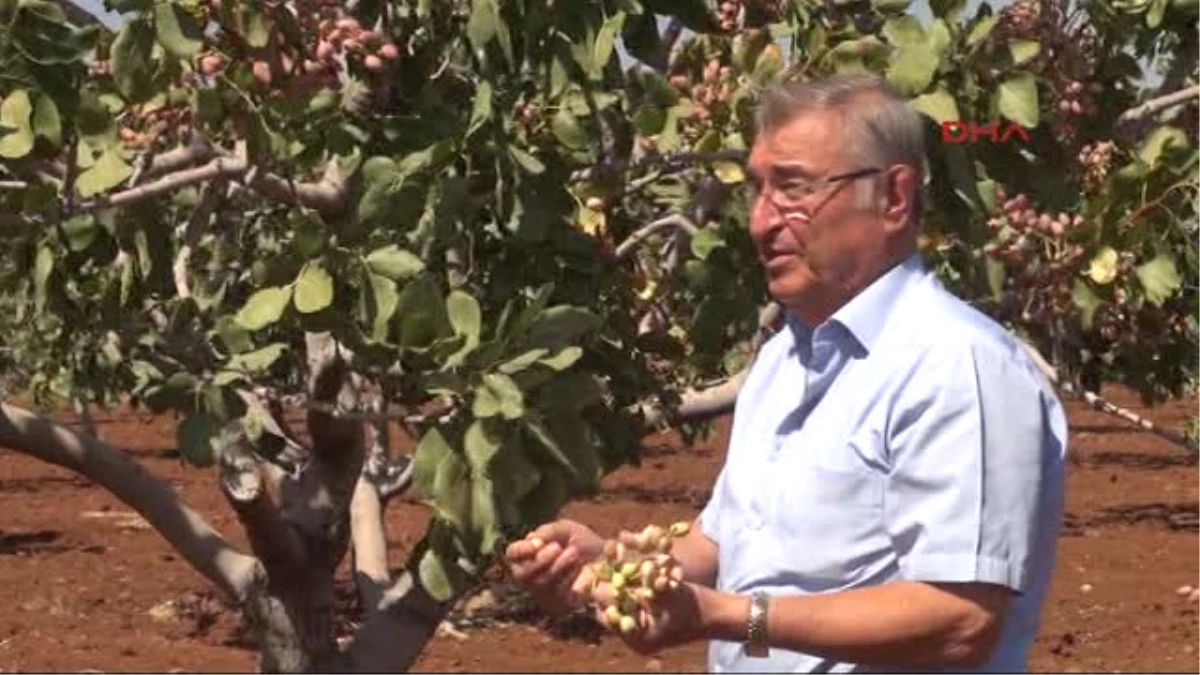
x=565, y=563
x=604, y=594
x=581, y=585
x=534, y=567
x=537, y=570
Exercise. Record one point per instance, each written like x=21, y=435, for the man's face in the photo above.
x=816, y=247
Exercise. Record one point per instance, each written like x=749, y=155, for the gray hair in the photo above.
x=881, y=129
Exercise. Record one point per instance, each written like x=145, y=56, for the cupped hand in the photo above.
x=551, y=564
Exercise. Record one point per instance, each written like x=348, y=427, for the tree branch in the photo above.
x=210, y=194
x=673, y=221
x=670, y=36
x=271, y=539
x=391, y=639
x=371, y=574
x=234, y=573
x=1097, y=402
x=667, y=161
x=327, y=196
x=1159, y=103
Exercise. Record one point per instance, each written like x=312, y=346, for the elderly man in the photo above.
x=893, y=488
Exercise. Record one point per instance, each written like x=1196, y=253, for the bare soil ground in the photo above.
x=85, y=585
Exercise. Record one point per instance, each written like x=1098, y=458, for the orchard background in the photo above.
x=482, y=259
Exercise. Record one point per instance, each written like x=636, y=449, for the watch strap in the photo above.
x=756, y=628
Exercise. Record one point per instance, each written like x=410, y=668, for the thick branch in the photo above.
x=392, y=638
x=232, y=572
x=326, y=195
x=210, y=194
x=271, y=539
x=673, y=221
x=721, y=398
x=196, y=151
x=711, y=402
x=1160, y=103
x=670, y=36
x=370, y=545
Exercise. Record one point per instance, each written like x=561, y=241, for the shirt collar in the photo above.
x=864, y=316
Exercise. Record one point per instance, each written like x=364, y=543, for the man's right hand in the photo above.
x=551, y=563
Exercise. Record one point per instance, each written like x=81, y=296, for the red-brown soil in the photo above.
x=78, y=581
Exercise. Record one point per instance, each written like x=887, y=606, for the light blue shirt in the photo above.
x=909, y=437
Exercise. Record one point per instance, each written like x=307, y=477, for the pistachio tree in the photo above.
x=516, y=231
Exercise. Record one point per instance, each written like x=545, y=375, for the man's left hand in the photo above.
x=671, y=618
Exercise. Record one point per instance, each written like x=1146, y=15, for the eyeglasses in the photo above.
x=793, y=193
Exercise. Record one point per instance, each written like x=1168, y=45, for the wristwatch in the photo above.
x=756, y=630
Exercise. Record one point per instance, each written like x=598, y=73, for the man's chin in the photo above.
x=785, y=291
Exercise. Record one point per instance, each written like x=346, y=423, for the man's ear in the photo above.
x=900, y=186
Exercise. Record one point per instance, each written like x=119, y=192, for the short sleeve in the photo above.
x=975, y=469
x=710, y=516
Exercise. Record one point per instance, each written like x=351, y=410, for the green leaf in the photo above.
x=1159, y=141
x=395, y=263
x=557, y=326
x=481, y=447
x=568, y=130
x=519, y=363
x=428, y=456
x=43, y=266
x=1017, y=99
x=106, y=173
x=481, y=27
x=14, y=119
x=422, y=313
x=314, y=289
x=130, y=59
x=904, y=30
x=982, y=29
x=198, y=439
x=543, y=435
x=705, y=242
x=939, y=105
x=386, y=298
x=178, y=31
x=484, y=519
x=451, y=496
x=1023, y=51
x=1160, y=279
x=995, y=275
x=1086, y=301
x=379, y=169
x=481, y=110
x=1154, y=16
x=564, y=359
x=308, y=234
x=464, y=314
x=498, y=395
x=527, y=161
x=264, y=308
x=729, y=173
x=255, y=26
x=258, y=360
x=81, y=232
x=912, y=68
x=46, y=121
x=435, y=577
x=606, y=39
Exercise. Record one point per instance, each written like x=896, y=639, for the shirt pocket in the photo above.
x=829, y=523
